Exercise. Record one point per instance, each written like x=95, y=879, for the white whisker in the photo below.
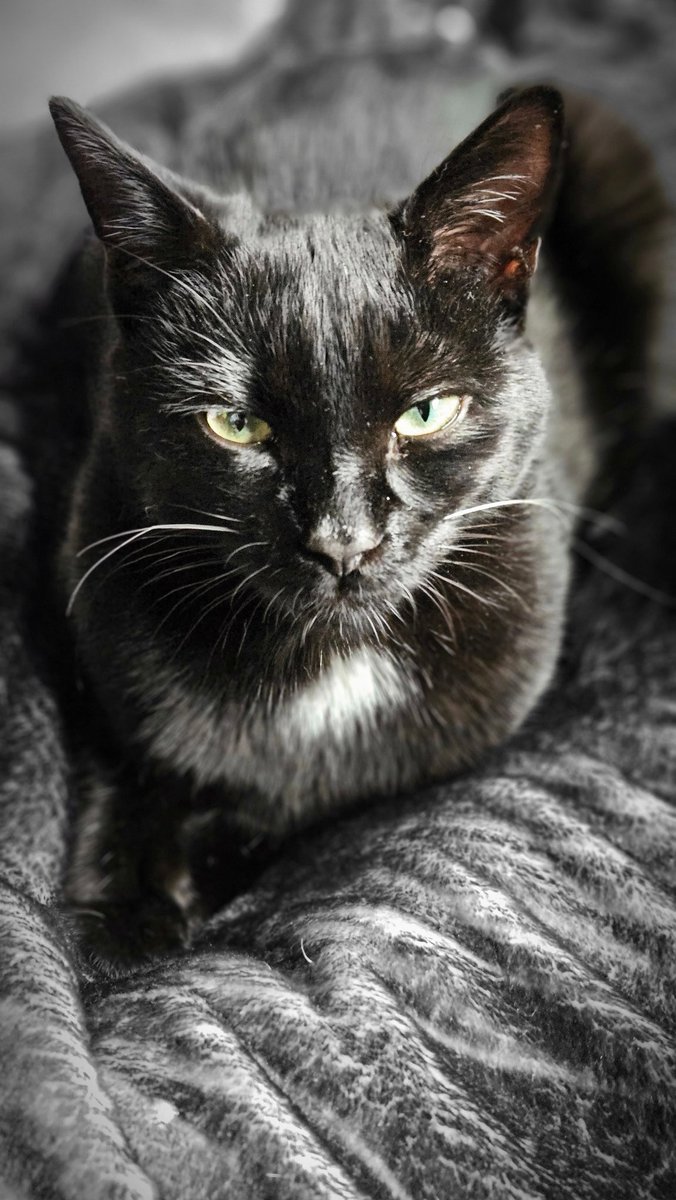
x=134, y=536
x=204, y=513
x=168, y=527
x=546, y=504
x=441, y=605
x=247, y=580
x=246, y=546
x=500, y=582
x=461, y=587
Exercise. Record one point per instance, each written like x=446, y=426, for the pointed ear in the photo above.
x=136, y=209
x=487, y=204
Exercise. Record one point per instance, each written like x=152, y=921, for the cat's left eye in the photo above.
x=431, y=416
x=237, y=425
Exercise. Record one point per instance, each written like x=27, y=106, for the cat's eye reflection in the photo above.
x=431, y=415
x=238, y=426
x=241, y=427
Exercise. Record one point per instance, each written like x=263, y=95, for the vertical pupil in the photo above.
x=424, y=410
x=238, y=421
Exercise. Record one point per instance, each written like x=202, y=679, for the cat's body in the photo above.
x=342, y=629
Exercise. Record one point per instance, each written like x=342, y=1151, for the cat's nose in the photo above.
x=343, y=556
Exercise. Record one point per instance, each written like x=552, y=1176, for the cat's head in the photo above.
x=333, y=388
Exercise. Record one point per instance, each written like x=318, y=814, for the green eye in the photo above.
x=429, y=416
x=237, y=425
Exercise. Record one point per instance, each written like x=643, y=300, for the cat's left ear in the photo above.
x=487, y=204
x=145, y=222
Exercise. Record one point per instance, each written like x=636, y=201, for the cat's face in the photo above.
x=311, y=388
x=334, y=391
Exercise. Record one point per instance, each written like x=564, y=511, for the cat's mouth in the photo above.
x=348, y=588
x=317, y=602
x=352, y=606
x=304, y=593
x=354, y=589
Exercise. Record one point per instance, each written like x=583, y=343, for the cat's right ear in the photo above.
x=146, y=224
x=486, y=206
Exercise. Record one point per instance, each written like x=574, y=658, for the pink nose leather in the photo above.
x=343, y=557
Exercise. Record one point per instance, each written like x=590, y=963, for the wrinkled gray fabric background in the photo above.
x=90, y=48
x=467, y=993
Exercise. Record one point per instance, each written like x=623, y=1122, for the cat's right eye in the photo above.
x=431, y=416
x=238, y=426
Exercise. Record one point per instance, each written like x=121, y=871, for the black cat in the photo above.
x=317, y=549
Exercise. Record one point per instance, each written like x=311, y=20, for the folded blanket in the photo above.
x=468, y=992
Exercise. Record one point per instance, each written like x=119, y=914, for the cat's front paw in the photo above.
x=117, y=936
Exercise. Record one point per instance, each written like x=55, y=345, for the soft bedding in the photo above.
x=468, y=992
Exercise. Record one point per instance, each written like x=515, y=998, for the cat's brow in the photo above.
x=200, y=298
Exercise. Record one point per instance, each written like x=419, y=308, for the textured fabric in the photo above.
x=465, y=993
x=469, y=993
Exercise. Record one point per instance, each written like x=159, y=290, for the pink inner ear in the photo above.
x=485, y=205
x=522, y=263
x=486, y=223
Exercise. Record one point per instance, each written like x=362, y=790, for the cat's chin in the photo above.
x=350, y=612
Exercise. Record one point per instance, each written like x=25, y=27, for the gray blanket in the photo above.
x=469, y=992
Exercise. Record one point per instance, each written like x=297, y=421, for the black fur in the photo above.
x=468, y=991
x=239, y=682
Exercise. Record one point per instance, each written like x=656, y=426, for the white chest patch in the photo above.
x=297, y=754
x=350, y=692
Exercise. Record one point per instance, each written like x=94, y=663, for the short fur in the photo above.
x=466, y=992
x=307, y=291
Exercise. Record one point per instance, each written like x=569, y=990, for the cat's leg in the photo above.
x=128, y=886
x=224, y=853
x=150, y=863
